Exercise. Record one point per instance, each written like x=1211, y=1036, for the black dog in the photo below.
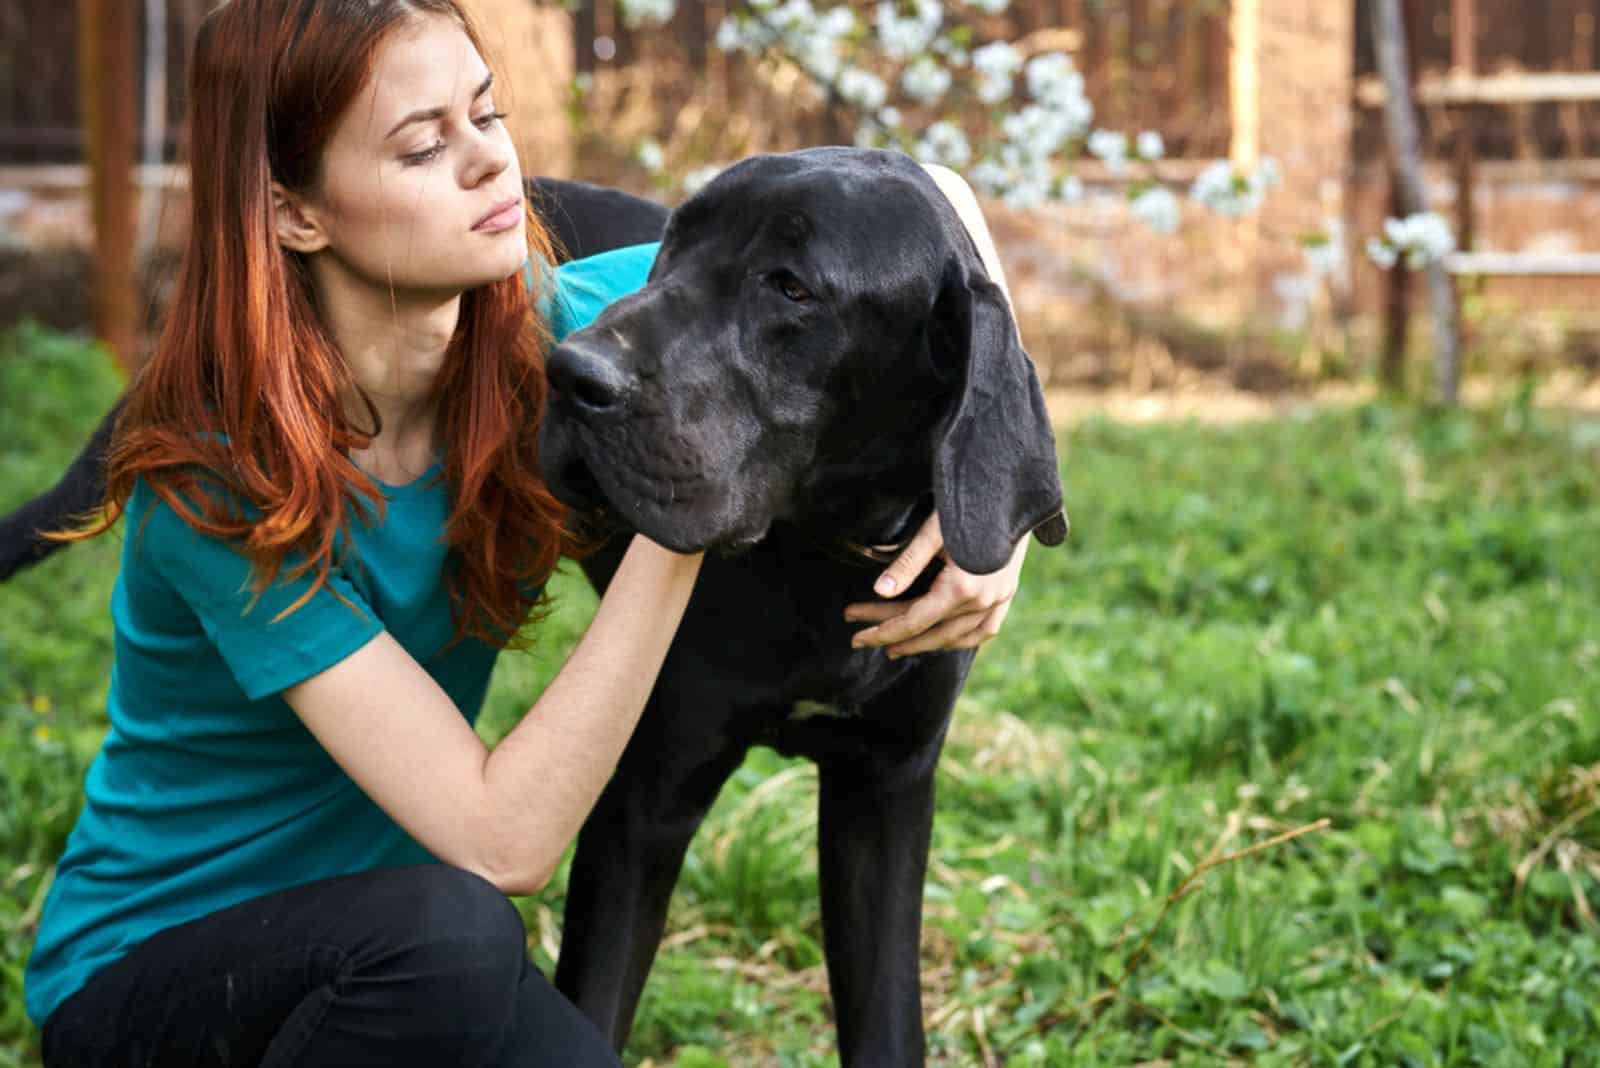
x=818, y=361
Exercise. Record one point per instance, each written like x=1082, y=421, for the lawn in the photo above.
x=1378, y=617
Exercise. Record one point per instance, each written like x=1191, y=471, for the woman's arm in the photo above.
x=507, y=814
x=960, y=610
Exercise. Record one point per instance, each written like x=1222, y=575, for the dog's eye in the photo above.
x=790, y=287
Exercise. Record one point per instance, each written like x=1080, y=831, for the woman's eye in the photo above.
x=790, y=287
x=425, y=156
x=486, y=121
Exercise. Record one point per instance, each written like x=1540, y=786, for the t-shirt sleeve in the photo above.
x=584, y=287
x=265, y=653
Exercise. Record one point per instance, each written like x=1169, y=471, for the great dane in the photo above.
x=817, y=362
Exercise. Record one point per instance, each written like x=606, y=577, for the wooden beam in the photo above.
x=1524, y=264
x=1521, y=87
x=109, y=90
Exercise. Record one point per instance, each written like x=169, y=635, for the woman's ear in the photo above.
x=295, y=223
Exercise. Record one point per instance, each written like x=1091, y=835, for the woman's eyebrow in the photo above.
x=429, y=114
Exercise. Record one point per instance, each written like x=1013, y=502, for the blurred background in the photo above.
x=1292, y=755
x=1510, y=143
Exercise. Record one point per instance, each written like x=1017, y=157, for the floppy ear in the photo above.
x=995, y=474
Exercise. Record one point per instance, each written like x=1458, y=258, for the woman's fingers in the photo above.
x=950, y=633
x=919, y=552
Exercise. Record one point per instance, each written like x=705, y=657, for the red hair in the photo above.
x=246, y=387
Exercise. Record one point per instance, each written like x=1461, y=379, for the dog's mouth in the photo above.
x=577, y=487
x=680, y=514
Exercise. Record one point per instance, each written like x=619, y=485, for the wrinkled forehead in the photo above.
x=428, y=63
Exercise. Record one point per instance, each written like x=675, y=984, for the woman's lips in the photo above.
x=503, y=217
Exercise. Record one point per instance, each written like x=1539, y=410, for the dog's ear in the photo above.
x=995, y=474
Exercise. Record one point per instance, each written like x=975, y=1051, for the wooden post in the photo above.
x=1464, y=64
x=1464, y=45
x=1244, y=78
x=109, y=89
x=1400, y=126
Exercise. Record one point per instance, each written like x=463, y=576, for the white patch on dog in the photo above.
x=804, y=710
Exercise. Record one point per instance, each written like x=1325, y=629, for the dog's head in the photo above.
x=818, y=343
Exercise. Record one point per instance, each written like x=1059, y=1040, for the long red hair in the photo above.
x=245, y=390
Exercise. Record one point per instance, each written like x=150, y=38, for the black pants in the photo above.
x=401, y=966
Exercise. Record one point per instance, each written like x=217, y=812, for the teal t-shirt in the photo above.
x=208, y=790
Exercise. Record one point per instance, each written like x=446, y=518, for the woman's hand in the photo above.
x=960, y=610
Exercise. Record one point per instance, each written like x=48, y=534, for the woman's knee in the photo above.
x=449, y=931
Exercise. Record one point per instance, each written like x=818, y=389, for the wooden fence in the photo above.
x=1508, y=36
x=1159, y=64
x=39, y=113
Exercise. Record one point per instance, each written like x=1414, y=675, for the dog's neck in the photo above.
x=874, y=546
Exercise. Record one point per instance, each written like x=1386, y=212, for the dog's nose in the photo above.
x=587, y=378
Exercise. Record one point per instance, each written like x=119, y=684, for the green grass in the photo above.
x=1386, y=618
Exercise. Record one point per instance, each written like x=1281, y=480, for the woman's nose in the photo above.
x=492, y=156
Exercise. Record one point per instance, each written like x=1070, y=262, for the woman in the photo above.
x=334, y=522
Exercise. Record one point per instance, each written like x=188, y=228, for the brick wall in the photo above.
x=1305, y=57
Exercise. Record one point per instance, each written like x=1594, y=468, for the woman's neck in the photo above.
x=394, y=344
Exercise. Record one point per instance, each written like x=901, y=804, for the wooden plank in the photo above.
x=1522, y=87
x=1524, y=264
x=55, y=178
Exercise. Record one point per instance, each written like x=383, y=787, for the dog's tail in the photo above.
x=22, y=540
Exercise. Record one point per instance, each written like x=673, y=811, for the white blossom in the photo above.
x=1027, y=194
x=943, y=142
x=1036, y=132
x=1382, y=253
x=1150, y=145
x=990, y=7
x=1421, y=238
x=1158, y=209
x=1325, y=253
x=1052, y=75
x=1111, y=148
x=793, y=15
x=637, y=14
x=953, y=53
x=862, y=88
x=997, y=65
x=736, y=34
x=990, y=177
x=700, y=177
x=1055, y=83
x=650, y=155
x=1227, y=192
x=925, y=81
x=904, y=37
x=1070, y=189
x=890, y=117
x=838, y=22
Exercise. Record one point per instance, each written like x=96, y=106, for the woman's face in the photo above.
x=420, y=189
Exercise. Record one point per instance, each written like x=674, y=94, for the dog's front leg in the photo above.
x=874, y=822
x=629, y=854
